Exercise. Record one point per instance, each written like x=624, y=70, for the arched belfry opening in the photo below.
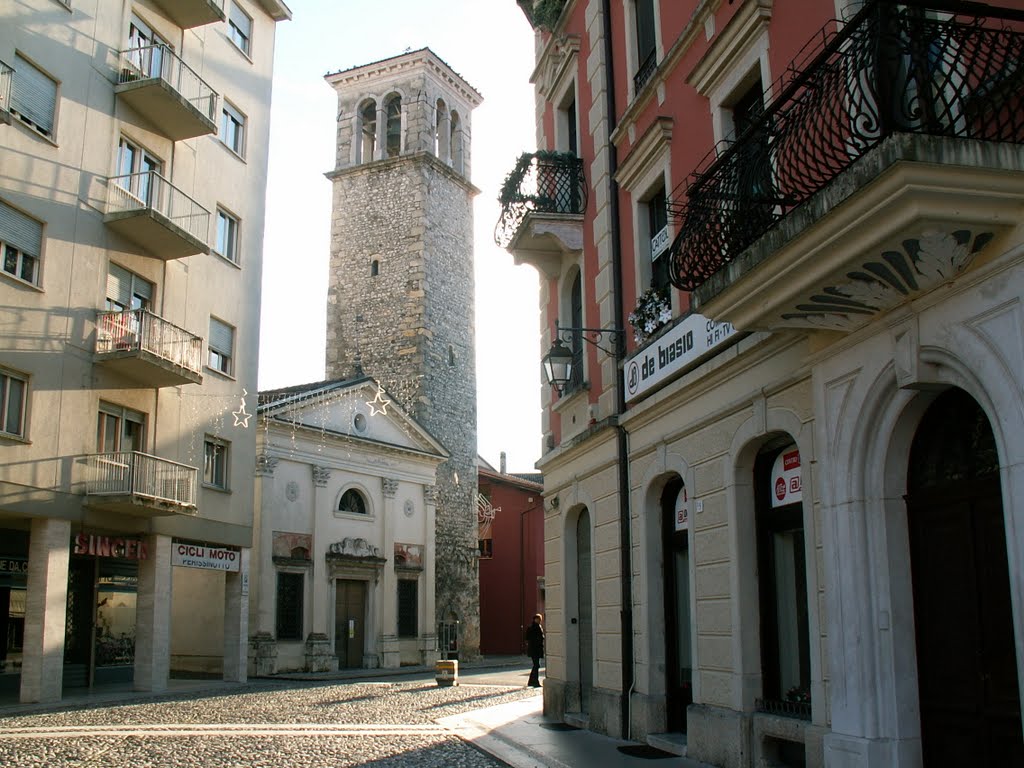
x=367, y=131
x=393, y=131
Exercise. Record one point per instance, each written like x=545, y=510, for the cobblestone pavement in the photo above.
x=265, y=725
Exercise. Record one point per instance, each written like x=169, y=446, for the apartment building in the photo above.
x=133, y=149
x=780, y=250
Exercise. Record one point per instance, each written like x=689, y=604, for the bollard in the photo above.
x=447, y=673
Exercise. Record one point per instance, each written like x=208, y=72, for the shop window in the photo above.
x=290, y=591
x=408, y=608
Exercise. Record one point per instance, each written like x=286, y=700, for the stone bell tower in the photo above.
x=400, y=297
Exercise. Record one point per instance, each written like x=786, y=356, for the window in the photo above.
x=290, y=589
x=658, y=242
x=352, y=503
x=227, y=236
x=576, y=321
x=374, y=267
x=12, y=404
x=232, y=129
x=21, y=242
x=33, y=96
x=215, y=463
x=755, y=195
x=646, y=45
x=119, y=429
x=145, y=50
x=239, y=28
x=408, y=608
x=126, y=290
x=394, y=127
x=222, y=347
x=136, y=168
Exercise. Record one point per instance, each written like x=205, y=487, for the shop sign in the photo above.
x=680, y=348
x=787, y=484
x=682, y=511
x=13, y=565
x=110, y=546
x=202, y=556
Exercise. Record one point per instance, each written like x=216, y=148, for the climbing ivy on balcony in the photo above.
x=544, y=182
x=545, y=13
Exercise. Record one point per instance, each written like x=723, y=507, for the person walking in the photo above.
x=535, y=648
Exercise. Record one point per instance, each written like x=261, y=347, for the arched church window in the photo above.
x=352, y=503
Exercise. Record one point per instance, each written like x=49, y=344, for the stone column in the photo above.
x=319, y=651
x=46, y=601
x=389, y=583
x=430, y=653
x=153, y=616
x=236, y=621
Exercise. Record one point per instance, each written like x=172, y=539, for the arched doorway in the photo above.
x=676, y=563
x=966, y=664
x=584, y=607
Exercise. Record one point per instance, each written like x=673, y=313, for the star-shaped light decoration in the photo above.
x=379, y=404
x=241, y=416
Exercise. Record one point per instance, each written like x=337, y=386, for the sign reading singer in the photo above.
x=200, y=556
x=678, y=349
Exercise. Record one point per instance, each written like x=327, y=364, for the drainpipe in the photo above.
x=622, y=438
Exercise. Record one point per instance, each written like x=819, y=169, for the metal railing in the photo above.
x=139, y=330
x=891, y=69
x=131, y=473
x=544, y=182
x=150, y=191
x=801, y=710
x=158, y=61
x=644, y=72
x=6, y=79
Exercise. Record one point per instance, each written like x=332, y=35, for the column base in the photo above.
x=320, y=654
x=262, y=655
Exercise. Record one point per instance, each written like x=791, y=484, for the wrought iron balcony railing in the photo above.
x=644, y=72
x=6, y=78
x=160, y=62
x=891, y=69
x=139, y=475
x=139, y=330
x=543, y=182
x=149, y=191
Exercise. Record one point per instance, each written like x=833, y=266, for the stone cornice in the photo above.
x=423, y=58
x=421, y=157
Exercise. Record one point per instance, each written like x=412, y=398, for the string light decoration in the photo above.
x=241, y=415
x=379, y=405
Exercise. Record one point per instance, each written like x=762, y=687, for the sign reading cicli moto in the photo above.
x=202, y=556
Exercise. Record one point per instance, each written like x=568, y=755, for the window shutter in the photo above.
x=119, y=285
x=33, y=94
x=19, y=230
x=221, y=336
x=240, y=20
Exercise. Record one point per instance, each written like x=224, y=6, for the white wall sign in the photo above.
x=200, y=556
x=681, y=347
x=787, y=484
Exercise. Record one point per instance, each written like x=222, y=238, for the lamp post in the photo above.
x=560, y=361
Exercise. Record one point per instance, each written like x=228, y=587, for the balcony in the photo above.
x=6, y=78
x=889, y=160
x=148, y=349
x=542, y=204
x=157, y=216
x=193, y=13
x=162, y=88
x=133, y=483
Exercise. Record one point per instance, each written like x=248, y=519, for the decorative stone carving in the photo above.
x=390, y=486
x=320, y=476
x=430, y=494
x=353, y=547
x=291, y=491
x=265, y=465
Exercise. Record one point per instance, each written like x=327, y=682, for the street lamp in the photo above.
x=560, y=361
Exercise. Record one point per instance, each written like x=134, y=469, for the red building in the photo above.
x=511, y=519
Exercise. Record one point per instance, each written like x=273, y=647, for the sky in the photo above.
x=488, y=42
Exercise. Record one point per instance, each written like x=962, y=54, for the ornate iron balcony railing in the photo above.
x=542, y=182
x=644, y=72
x=891, y=69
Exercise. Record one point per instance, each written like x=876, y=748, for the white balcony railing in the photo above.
x=158, y=61
x=6, y=78
x=149, y=191
x=130, y=473
x=139, y=330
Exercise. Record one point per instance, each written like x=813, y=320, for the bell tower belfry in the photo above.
x=400, y=301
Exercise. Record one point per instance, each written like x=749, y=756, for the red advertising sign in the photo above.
x=787, y=483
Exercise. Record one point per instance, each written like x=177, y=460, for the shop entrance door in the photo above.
x=584, y=574
x=678, y=653
x=966, y=662
x=349, y=622
x=78, y=639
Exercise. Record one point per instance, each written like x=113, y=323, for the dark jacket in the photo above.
x=535, y=641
